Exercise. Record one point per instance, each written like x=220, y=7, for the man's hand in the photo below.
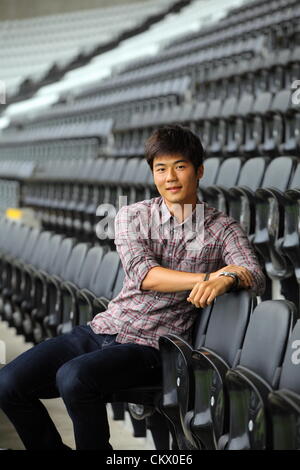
x=205, y=292
x=246, y=279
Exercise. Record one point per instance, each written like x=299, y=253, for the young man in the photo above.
x=177, y=253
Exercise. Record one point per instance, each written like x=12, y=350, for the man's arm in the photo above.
x=168, y=280
x=241, y=259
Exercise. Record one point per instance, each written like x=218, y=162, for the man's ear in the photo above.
x=200, y=172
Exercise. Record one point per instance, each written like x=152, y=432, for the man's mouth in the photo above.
x=174, y=189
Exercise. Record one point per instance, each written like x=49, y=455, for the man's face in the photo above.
x=176, y=178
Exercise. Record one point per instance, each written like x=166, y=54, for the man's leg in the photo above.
x=32, y=376
x=85, y=381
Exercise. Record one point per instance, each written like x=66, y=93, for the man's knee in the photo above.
x=70, y=381
x=8, y=386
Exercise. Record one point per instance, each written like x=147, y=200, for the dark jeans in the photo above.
x=81, y=367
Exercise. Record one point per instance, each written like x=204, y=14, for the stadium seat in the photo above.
x=257, y=373
x=193, y=375
x=284, y=403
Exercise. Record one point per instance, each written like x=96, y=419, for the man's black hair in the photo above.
x=174, y=140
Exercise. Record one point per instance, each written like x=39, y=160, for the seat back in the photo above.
x=269, y=329
x=211, y=168
x=278, y=173
x=229, y=172
x=290, y=377
x=227, y=325
x=75, y=262
x=90, y=266
x=103, y=282
x=60, y=261
x=252, y=172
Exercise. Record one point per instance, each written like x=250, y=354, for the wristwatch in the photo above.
x=236, y=278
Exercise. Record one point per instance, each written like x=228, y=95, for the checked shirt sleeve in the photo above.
x=131, y=243
x=237, y=250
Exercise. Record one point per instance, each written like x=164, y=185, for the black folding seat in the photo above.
x=22, y=301
x=211, y=169
x=254, y=128
x=120, y=190
x=70, y=273
x=112, y=181
x=106, y=209
x=75, y=172
x=241, y=198
x=284, y=403
x=274, y=123
x=236, y=125
x=17, y=268
x=13, y=242
x=246, y=75
x=257, y=373
x=104, y=169
x=45, y=300
x=289, y=244
x=142, y=189
x=14, y=236
x=291, y=140
x=58, y=193
x=210, y=130
x=69, y=312
x=260, y=68
x=277, y=69
x=193, y=375
x=183, y=113
x=126, y=184
x=34, y=299
x=292, y=70
x=199, y=119
x=269, y=228
x=219, y=134
x=93, y=299
x=80, y=208
x=227, y=177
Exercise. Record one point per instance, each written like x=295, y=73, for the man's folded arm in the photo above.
x=238, y=251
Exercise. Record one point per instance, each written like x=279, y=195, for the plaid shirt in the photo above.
x=206, y=241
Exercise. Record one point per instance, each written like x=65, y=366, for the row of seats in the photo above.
x=43, y=276
x=263, y=125
x=237, y=387
x=236, y=390
x=251, y=16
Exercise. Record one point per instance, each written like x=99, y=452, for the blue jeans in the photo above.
x=81, y=367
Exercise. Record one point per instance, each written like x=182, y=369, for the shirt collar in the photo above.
x=166, y=214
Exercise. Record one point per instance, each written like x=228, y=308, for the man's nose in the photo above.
x=171, y=174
